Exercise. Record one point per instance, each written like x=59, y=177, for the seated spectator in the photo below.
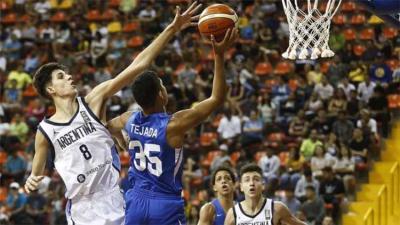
x=294, y=165
x=359, y=146
x=332, y=145
x=306, y=180
x=230, y=126
x=324, y=89
x=368, y=125
x=337, y=103
x=280, y=92
x=12, y=48
x=353, y=106
x=15, y=166
x=332, y=190
x=344, y=167
x=378, y=105
x=320, y=160
x=298, y=127
x=18, y=127
x=346, y=87
x=342, y=127
x=266, y=108
x=12, y=93
x=365, y=90
x=252, y=130
x=290, y=201
x=36, y=207
x=235, y=95
x=270, y=164
x=16, y=202
x=314, y=76
x=313, y=105
x=302, y=92
x=22, y=78
x=220, y=159
x=321, y=123
x=308, y=145
x=313, y=207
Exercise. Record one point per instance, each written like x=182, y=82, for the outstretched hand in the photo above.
x=186, y=19
x=230, y=37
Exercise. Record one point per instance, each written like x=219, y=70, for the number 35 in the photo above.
x=143, y=160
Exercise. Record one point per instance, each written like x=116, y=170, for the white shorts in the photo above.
x=100, y=208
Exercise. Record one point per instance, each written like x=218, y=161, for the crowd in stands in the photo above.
x=312, y=126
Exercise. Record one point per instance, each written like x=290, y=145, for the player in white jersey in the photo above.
x=83, y=151
x=255, y=209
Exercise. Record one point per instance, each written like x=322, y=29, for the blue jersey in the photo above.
x=219, y=212
x=154, y=165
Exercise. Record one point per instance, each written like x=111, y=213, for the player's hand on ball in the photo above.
x=186, y=19
x=230, y=37
x=32, y=183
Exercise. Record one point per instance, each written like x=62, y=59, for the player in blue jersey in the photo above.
x=223, y=182
x=155, y=143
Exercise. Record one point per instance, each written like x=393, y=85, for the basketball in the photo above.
x=216, y=19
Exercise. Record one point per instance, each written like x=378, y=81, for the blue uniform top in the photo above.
x=154, y=165
x=219, y=212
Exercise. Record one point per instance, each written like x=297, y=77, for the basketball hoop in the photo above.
x=309, y=31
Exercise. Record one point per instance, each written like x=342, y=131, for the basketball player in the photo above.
x=255, y=209
x=83, y=151
x=223, y=182
x=155, y=144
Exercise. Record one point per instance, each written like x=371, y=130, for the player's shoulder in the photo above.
x=207, y=209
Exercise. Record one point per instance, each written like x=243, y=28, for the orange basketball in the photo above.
x=216, y=19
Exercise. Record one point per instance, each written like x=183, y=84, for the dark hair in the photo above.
x=252, y=167
x=145, y=89
x=222, y=168
x=43, y=76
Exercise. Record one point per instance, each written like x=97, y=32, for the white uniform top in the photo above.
x=83, y=151
x=263, y=217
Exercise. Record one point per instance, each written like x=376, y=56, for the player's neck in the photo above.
x=65, y=107
x=253, y=205
x=226, y=201
x=153, y=110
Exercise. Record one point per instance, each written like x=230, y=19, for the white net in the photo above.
x=309, y=31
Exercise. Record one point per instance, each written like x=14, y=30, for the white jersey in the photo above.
x=263, y=217
x=84, y=153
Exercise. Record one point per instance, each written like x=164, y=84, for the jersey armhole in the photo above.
x=51, y=146
x=234, y=213
x=85, y=104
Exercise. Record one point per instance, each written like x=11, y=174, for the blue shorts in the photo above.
x=148, y=208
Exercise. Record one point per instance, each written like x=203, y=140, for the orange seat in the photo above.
x=349, y=34
x=293, y=84
x=348, y=6
x=59, y=17
x=339, y=19
x=108, y=14
x=93, y=15
x=207, y=138
x=322, y=6
x=249, y=10
x=3, y=194
x=29, y=91
x=10, y=18
x=131, y=26
x=283, y=67
x=263, y=68
x=358, y=19
x=229, y=53
x=394, y=101
x=393, y=64
x=359, y=49
x=24, y=18
x=135, y=41
x=390, y=32
x=209, y=158
x=114, y=3
x=325, y=66
x=367, y=34
x=276, y=137
x=283, y=157
x=3, y=157
x=270, y=83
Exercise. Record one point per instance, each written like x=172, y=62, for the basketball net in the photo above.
x=309, y=31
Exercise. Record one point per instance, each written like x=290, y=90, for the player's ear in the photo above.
x=214, y=188
x=50, y=90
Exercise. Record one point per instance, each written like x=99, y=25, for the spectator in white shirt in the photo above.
x=347, y=87
x=365, y=90
x=229, y=126
x=306, y=180
x=367, y=124
x=324, y=89
x=270, y=164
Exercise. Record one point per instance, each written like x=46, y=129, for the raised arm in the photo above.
x=38, y=163
x=143, y=60
x=185, y=120
x=283, y=216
